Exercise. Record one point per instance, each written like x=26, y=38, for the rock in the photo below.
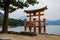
x=23, y=33
x=28, y=33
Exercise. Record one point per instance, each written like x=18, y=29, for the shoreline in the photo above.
x=23, y=37
x=12, y=32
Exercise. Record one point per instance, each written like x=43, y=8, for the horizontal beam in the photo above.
x=36, y=21
x=33, y=26
x=35, y=15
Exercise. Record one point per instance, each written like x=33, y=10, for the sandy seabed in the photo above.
x=22, y=37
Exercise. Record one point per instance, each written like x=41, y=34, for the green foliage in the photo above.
x=32, y=1
x=17, y=4
x=15, y=22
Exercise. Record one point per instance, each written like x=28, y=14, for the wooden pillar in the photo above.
x=39, y=23
x=44, y=25
x=30, y=22
x=34, y=25
x=24, y=24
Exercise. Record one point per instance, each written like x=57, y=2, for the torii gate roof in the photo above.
x=36, y=10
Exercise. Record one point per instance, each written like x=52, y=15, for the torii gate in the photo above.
x=34, y=13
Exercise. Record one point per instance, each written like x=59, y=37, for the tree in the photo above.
x=6, y=6
x=1, y=21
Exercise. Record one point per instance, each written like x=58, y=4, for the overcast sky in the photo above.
x=53, y=12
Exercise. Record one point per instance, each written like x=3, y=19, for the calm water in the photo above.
x=51, y=29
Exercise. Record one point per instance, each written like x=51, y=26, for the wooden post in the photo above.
x=30, y=23
x=39, y=22
x=44, y=25
x=24, y=24
x=34, y=25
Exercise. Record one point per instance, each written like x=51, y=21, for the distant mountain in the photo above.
x=56, y=22
x=1, y=15
x=48, y=22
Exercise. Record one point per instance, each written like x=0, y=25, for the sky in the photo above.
x=53, y=12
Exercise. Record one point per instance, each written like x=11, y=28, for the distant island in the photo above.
x=12, y=22
x=20, y=22
x=1, y=15
x=55, y=22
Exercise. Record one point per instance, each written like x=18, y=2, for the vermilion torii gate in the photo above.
x=35, y=13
